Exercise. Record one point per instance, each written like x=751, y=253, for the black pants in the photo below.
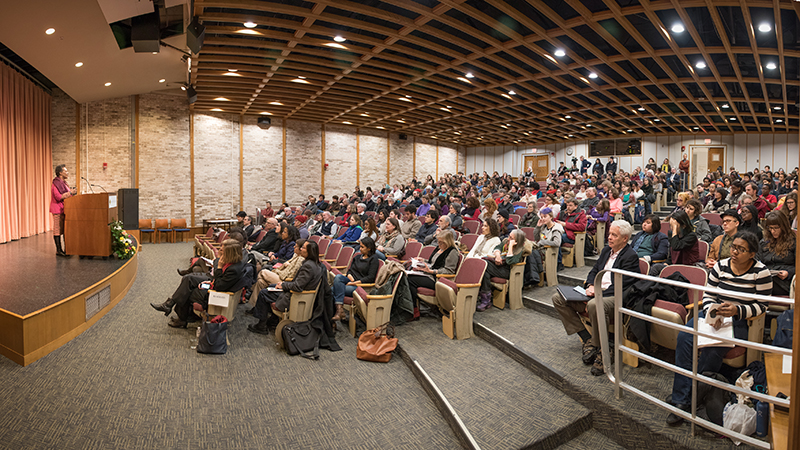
x=183, y=295
x=418, y=281
x=494, y=271
x=264, y=303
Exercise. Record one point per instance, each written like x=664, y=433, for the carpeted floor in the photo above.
x=130, y=381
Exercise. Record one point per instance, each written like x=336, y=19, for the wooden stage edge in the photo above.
x=26, y=339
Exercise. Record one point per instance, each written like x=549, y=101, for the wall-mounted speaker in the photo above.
x=191, y=94
x=128, y=208
x=264, y=122
x=145, y=34
x=403, y=137
x=195, y=33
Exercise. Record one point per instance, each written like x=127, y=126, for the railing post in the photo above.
x=617, y=333
x=695, y=359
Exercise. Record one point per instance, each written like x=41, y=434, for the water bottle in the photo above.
x=762, y=419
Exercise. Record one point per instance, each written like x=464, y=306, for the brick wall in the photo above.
x=62, y=122
x=426, y=158
x=303, y=160
x=263, y=164
x=340, y=154
x=216, y=165
x=106, y=138
x=401, y=159
x=372, y=158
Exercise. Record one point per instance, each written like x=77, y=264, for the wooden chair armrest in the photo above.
x=288, y=279
x=752, y=319
x=392, y=256
x=304, y=292
x=470, y=285
x=690, y=306
x=579, y=232
x=658, y=261
x=337, y=267
x=445, y=275
x=330, y=260
x=379, y=297
x=365, y=285
x=520, y=263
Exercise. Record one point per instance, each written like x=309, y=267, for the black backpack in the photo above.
x=783, y=333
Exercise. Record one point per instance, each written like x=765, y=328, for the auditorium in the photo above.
x=381, y=224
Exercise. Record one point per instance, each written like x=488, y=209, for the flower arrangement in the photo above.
x=121, y=243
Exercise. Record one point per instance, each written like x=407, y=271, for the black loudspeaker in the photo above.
x=128, y=208
x=191, y=94
x=403, y=137
x=144, y=33
x=264, y=122
x=195, y=33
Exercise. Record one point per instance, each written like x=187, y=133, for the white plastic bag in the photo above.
x=740, y=418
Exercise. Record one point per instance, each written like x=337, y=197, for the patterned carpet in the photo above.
x=130, y=381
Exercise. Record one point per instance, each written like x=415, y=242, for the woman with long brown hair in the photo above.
x=777, y=251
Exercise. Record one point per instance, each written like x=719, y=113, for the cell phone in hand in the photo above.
x=205, y=285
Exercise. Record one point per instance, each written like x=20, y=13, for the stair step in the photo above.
x=500, y=402
x=591, y=439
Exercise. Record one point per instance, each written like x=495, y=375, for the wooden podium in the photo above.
x=86, y=219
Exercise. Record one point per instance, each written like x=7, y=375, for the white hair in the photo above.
x=625, y=228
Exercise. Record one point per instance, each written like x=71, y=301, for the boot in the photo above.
x=486, y=300
x=339, y=313
x=59, y=250
x=259, y=328
x=165, y=307
x=183, y=272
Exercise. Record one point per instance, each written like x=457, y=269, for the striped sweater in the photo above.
x=757, y=280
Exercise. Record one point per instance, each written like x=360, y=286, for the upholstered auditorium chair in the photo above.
x=675, y=312
x=468, y=240
x=333, y=252
x=574, y=257
x=300, y=309
x=457, y=297
x=411, y=251
x=472, y=226
x=374, y=309
x=429, y=295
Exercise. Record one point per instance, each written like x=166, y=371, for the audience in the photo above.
x=411, y=225
x=682, y=239
x=750, y=223
x=777, y=252
x=513, y=250
x=651, y=244
x=443, y=261
x=391, y=242
x=693, y=209
x=278, y=272
x=721, y=247
x=363, y=270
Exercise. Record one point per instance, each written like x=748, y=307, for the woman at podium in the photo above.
x=58, y=192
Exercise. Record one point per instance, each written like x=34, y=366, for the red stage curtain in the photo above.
x=26, y=159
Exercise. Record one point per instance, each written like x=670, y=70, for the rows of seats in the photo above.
x=169, y=228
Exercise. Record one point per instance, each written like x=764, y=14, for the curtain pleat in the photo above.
x=26, y=158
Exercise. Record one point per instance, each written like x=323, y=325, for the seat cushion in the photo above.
x=426, y=292
x=565, y=245
x=362, y=294
x=499, y=280
x=449, y=283
x=677, y=308
x=348, y=300
x=735, y=352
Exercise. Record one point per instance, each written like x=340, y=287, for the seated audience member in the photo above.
x=651, y=244
x=361, y=211
x=442, y=205
x=240, y=216
x=719, y=203
x=721, y=247
x=682, y=239
x=614, y=202
x=329, y=227
x=353, y=233
x=270, y=242
x=694, y=208
x=443, y=225
x=443, y=261
x=761, y=205
x=531, y=216
x=250, y=231
x=600, y=213
x=391, y=242
x=370, y=230
x=454, y=214
x=737, y=189
x=473, y=209
x=548, y=233
x=425, y=206
x=741, y=273
x=512, y=251
x=487, y=241
x=681, y=198
x=268, y=212
x=301, y=223
x=504, y=224
x=309, y=276
x=412, y=224
x=289, y=235
x=616, y=255
x=489, y=209
x=572, y=219
x=428, y=227
x=322, y=205
x=363, y=269
x=777, y=252
x=766, y=194
x=789, y=209
x=591, y=200
x=750, y=222
x=315, y=224
x=278, y=272
x=506, y=204
x=551, y=201
x=227, y=273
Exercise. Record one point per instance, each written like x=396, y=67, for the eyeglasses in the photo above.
x=729, y=220
x=739, y=249
x=774, y=227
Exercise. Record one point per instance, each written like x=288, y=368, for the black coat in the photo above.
x=270, y=243
x=626, y=260
x=641, y=297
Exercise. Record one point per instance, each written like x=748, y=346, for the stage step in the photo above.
x=501, y=404
x=591, y=439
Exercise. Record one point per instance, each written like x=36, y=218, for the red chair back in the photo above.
x=323, y=245
x=261, y=235
x=222, y=235
x=426, y=252
x=695, y=275
x=519, y=204
x=702, y=247
x=514, y=218
x=530, y=233
x=665, y=227
x=412, y=250
x=345, y=257
x=333, y=250
x=469, y=240
x=315, y=238
x=472, y=226
x=712, y=218
x=644, y=267
x=342, y=231
x=471, y=271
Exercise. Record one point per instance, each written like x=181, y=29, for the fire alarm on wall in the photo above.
x=105, y=166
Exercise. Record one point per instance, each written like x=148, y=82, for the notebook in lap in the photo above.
x=571, y=295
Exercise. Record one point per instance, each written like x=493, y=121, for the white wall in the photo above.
x=744, y=151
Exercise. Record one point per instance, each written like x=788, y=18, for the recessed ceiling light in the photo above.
x=216, y=109
x=339, y=39
x=568, y=117
x=463, y=79
x=404, y=99
x=249, y=24
x=641, y=108
x=469, y=75
x=700, y=64
x=732, y=118
x=630, y=131
x=776, y=108
x=506, y=96
x=656, y=120
x=503, y=126
x=162, y=80
x=588, y=124
x=446, y=110
x=108, y=84
x=49, y=31
x=725, y=106
x=364, y=115
x=335, y=45
x=300, y=80
x=276, y=103
x=380, y=128
x=764, y=28
x=78, y=64
x=512, y=93
x=678, y=28
x=571, y=135
x=559, y=53
x=592, y=75
x=233, y=70
x=266, y=113
x=779, y=121
x=401, y=121
x=347, y=123
x=695, y=128
x=248, y=31
x=232, y=74
x=155, y=53
x=222, y=99
x=183, y=88
x=771, y=66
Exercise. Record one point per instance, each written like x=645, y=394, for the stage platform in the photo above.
x=47, y=300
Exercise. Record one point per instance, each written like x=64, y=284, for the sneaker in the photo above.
x=589, y=353
x=597, y=367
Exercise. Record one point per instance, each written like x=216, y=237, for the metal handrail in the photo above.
x=691, y=416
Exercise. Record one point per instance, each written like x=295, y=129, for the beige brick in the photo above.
x=340, y=154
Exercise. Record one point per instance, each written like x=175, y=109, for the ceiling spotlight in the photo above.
x=108, y=84
x=233, y=70
x=656, y=120
x=732, y=118
x=506, y=96
x=335, y=45
x=641, y=108
x=380, y=128
x=266, y=113
x=232, y=74
x=695, y=128
x=401, y=121
x=630, y=131
x=183, y=88
x=463, y=79
x=364, y=115
x=776, y=108
x=78, y=64
x=404, y=99
x=469, y=75
x=49, y=31
x=249, y=24
x=339, y=39
x=162, y=80
x=725, y=106
x=571, y=135
x=216, y=109
x=568, y=117
x=347, y=123
x=588, y=125
x=678, y=28
x=700, y=64
x=559, y=53
x=511, y=93
x=300, y=80
x=221, y=99
x=276, y=103
x=592, y=75
x=771, y=66
x=779, y=121
x=247, y=31
x=764, y=28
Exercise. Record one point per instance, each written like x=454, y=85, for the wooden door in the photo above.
x=541, y=167
x=528, y=161
x=716, y=158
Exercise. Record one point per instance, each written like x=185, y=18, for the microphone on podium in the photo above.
x=87, y=182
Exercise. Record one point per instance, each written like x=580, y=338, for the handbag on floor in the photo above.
x=301, y=339
x=213, y=337
x=377, y=344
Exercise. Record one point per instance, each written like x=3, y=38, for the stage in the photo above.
x=46, y=300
